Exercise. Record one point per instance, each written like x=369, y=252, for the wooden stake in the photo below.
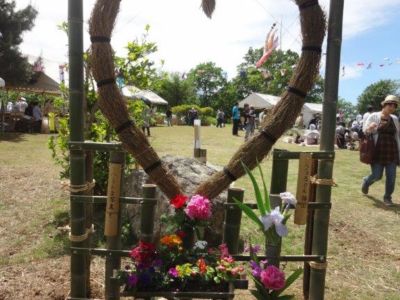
x=113, y=194
x=303, y=188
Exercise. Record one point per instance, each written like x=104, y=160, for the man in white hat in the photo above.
x=385, y=130
x=21, y=105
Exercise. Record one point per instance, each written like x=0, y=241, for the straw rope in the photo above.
x=77, y=188
x=283, y=115
x=323, y=181
x=83, y=237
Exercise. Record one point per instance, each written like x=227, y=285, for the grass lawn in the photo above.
x=364, y=235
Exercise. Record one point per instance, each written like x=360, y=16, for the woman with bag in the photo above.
x=385, y=130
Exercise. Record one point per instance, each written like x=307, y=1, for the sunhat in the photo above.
x=390, y=99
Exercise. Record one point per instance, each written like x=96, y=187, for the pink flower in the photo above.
x=224, y=250
x=273, y=278
x=199, y=207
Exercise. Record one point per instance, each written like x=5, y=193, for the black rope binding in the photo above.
x=153, y=166
x=100, y=39
x=317, y=49
x=229, y=174
x=102, y=82
x=308, y=4
x=124, y=126
x=268, y=136
x=296, y=91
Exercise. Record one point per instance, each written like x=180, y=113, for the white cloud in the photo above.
x=185, y=37
x=350, y=72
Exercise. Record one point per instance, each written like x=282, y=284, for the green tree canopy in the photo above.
x=207, y=80
x=273, y=77
x=174, y=88
x=14, y=68
x=375, y=93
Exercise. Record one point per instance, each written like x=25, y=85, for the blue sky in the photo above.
x=185, y=37
x=373, y=46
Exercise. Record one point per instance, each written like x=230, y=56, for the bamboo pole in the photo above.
x=325, y=168
x=278, y=185
x=147, y=213
x=113, y=227
x=233, y=218
x=77, y=157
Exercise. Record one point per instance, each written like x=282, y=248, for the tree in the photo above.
x=375, y=93
x=14, y=68
x=175, y=89
x=273, y=77
x=347, y=108
x=208, y=80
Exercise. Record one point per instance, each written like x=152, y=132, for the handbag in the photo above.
x=367, y=149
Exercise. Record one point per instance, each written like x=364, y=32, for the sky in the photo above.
x=186, y=37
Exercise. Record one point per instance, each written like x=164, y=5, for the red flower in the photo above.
x=178, y=201
x=143, y=254
x=181, y=234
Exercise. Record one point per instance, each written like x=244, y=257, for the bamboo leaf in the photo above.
x=267, y=201
x=257, y=192
x=250, y=213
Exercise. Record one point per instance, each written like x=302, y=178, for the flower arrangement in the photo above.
x=172, y=265
x=269, y=280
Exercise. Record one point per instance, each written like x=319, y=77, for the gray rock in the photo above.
x=189, y=173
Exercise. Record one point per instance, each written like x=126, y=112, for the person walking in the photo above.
x=220, y=118
x=146, y=115
x=168, y=115
x=250, y=121
x=385, y=129
x=235, y=119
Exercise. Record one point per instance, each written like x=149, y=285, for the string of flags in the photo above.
x=387, y=61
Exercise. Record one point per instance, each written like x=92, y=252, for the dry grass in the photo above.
x=364, y=240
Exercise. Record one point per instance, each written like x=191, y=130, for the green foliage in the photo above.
x=348, y=109
x=14, y=68
x=176, y=90
x=375, y=93
x=207, y=80
x=136, y=68
x=273, y=77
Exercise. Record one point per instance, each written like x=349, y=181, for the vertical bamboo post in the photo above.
x=89, y=212
x=148, y=206
x=233, y=218
x=325, y=168
x=278, y=185
x=112, y=227
x=198, y=153
x=77, y=157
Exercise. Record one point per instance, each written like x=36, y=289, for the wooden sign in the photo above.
x=113, y=193
x=303, y=188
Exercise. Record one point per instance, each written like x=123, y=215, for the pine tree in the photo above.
x=14, y=68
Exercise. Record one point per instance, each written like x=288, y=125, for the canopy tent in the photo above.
x=40, y=83
x=260, y=101
x=147, y=96
x=309, y=110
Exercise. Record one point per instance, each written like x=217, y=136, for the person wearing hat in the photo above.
x=21, y=105
x=385, y=129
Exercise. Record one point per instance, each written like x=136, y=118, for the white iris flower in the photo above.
x=275, y=218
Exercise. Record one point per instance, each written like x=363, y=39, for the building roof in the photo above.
x=40, y=84
x=313, y=107
x=147, y=96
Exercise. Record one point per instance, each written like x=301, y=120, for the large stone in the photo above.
x=189, y=173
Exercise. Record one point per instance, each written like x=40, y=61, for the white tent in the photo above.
x=149, y=97
x=260, y=101
x=309, y=109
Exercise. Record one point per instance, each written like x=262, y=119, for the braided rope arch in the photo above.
x=282, y=117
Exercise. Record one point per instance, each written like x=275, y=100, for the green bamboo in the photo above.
x=77, y=157
x=325, y=168
x=89, y=211
x=278, y=185
x=114, y=242
x=147, y=213
x=233, y=218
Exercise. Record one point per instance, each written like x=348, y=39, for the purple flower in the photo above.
x=255, y=269
x=255, y=248
x=132, y=280
x=173, y=272
x=275, y=218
